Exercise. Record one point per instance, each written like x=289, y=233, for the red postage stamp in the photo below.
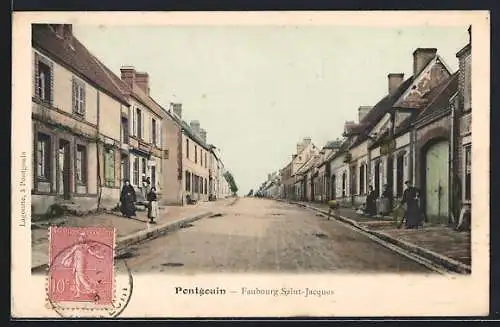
x=81, y=262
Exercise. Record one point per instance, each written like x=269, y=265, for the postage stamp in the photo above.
x=81, y=265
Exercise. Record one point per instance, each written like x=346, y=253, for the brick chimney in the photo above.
x=195, y=126
x=421, y=57
x=176, y=108
x=395, y=80
x=362, y=111
x=203, y=134
x=128, y=75
x=142, y=80
x=348, y=125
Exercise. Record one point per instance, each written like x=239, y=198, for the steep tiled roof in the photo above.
x=379, y=110
x=78, y=59
x=439, y=103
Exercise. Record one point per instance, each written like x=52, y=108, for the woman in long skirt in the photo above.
x=153, y=205
x=127, y=200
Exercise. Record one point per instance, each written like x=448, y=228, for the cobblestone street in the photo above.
x=257, y=235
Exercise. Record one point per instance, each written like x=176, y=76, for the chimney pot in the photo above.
x=195, y=126
x=395, y=80
x=177, y=109
x=421, y=57
x=128, y=75
x=142, y=80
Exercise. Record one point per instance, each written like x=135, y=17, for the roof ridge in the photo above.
x=441, y=88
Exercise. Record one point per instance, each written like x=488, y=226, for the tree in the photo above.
x=232, y=184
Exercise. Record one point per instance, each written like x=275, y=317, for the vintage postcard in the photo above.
x=250, y=164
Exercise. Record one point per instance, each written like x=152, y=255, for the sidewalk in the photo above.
x=438, y=243
x=125, y=227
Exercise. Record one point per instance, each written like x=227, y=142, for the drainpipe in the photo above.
x=99, y=182
x=411, y=158
x=452, y=163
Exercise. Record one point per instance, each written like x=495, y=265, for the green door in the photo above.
x=436, y=183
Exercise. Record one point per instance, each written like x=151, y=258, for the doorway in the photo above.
x=436, y=182
x=64, y=169
x=376, y=176
x=333, y=188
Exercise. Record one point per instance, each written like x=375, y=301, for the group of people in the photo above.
x=412, y=217
x=128, y=199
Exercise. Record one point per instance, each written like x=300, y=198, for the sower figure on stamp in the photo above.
x=75, y=259
x=127, y=200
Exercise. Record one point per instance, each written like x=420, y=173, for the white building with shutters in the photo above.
x=76, y=127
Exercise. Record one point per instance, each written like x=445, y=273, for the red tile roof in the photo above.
x=79, y=59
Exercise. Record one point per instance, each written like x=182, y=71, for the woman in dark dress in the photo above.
x=371, y=206
x=412, y=215
x=127, y=200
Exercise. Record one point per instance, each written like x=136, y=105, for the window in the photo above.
x=344, y=182
x=195, y=154
x=362, y=169
x=144, y=167
x=43, y=156
x=124, y=130
x=43, y=80
x=353, y=181
x=153, y=131
x=136, y=171
x=109, y=167
x=467, y=172
x=205, y=160
x=78, y=97
x=138, y=123
x=195, y=184
x=81, y=160
x=188, y=181
x=400, y=174
x=201, y=157
x=153, y=176
x=187, y=148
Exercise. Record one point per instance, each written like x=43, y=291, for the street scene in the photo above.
x=255, y=235
x=234, y=158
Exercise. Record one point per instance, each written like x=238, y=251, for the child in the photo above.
x=153, y=205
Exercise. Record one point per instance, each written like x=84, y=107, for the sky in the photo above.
x=258, y=90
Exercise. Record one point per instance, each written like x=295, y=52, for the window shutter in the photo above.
x=134, y=121
x=150, y=130
x=37, y=76
x=143, y=118
x=159, y=135
x=74, y=95
x=83, y=98
x=51, y=83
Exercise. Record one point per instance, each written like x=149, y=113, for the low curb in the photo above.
x=448, y=264
x=124, y=242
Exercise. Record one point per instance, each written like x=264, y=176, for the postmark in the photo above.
x=84, y=279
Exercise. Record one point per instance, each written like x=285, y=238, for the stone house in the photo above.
x=322, y=182
x=193, y=157
x=76, y=126
x=380, y=152
x=305, y=149
x=415, y=131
